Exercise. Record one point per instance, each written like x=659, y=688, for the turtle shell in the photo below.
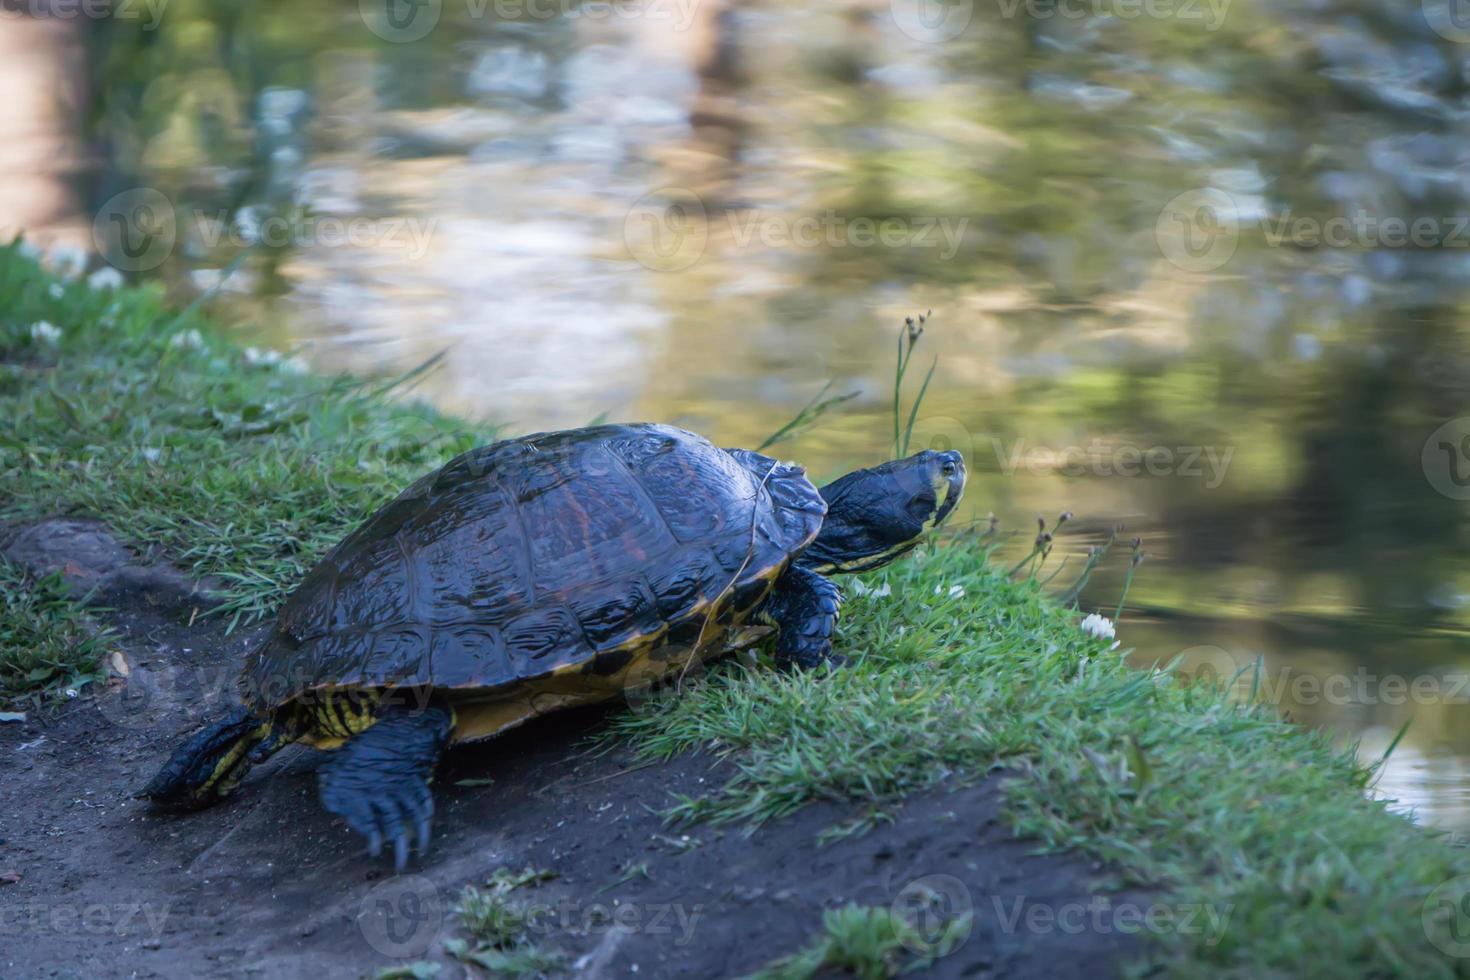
x=567, y=557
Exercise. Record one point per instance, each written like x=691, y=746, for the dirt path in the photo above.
x=271, y=885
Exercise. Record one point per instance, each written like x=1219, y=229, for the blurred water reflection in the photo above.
x=1202, y=274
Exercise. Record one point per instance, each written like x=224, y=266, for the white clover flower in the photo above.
x=67, y=261
x=186, y=340
x=873, y=592
x=45, y=333
x=105, y=278
x=1100, y=627
x=256, y=356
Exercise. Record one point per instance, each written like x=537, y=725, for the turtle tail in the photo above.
x=211, y=763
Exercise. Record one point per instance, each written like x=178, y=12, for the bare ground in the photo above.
x=99, y=885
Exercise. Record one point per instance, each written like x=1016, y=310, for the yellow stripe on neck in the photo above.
x=334, y=716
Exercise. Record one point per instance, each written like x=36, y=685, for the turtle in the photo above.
x=535, y=574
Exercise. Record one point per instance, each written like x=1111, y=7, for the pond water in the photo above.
x=1200, y=269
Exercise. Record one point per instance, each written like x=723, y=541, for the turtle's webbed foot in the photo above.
x=379, y=781
x=804, y=607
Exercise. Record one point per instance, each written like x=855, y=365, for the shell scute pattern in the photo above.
x=537, y=554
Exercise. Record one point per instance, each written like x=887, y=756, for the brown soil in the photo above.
x=271, y=885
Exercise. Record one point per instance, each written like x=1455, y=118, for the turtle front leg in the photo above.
x=803, y=607
x=379, y=781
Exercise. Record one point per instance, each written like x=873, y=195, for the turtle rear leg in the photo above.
x=379, y=780
x=803, y=607
x=211, y=763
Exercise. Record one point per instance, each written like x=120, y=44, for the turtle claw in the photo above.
x=422, y=825
x=379, y=781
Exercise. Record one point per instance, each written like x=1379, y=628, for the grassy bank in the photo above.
x=240, y=467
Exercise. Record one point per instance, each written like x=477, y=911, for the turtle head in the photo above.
x=875, y=515
x=210, y=763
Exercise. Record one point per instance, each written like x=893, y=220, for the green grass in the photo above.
x=1208, y=801
x=48, y=643
x=164, y=428
x=867, y=943
x=249, y=471
x=501, y=928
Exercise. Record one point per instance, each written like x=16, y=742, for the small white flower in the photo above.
x=953, y=592
x=295, y=365
x=45, y=333
x=186, y=340
x=152, y=454
x=256, y=356
x=873, y=592
x=56, y=290
x=105, y=278
x=67, y=261
x=1100, y=627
